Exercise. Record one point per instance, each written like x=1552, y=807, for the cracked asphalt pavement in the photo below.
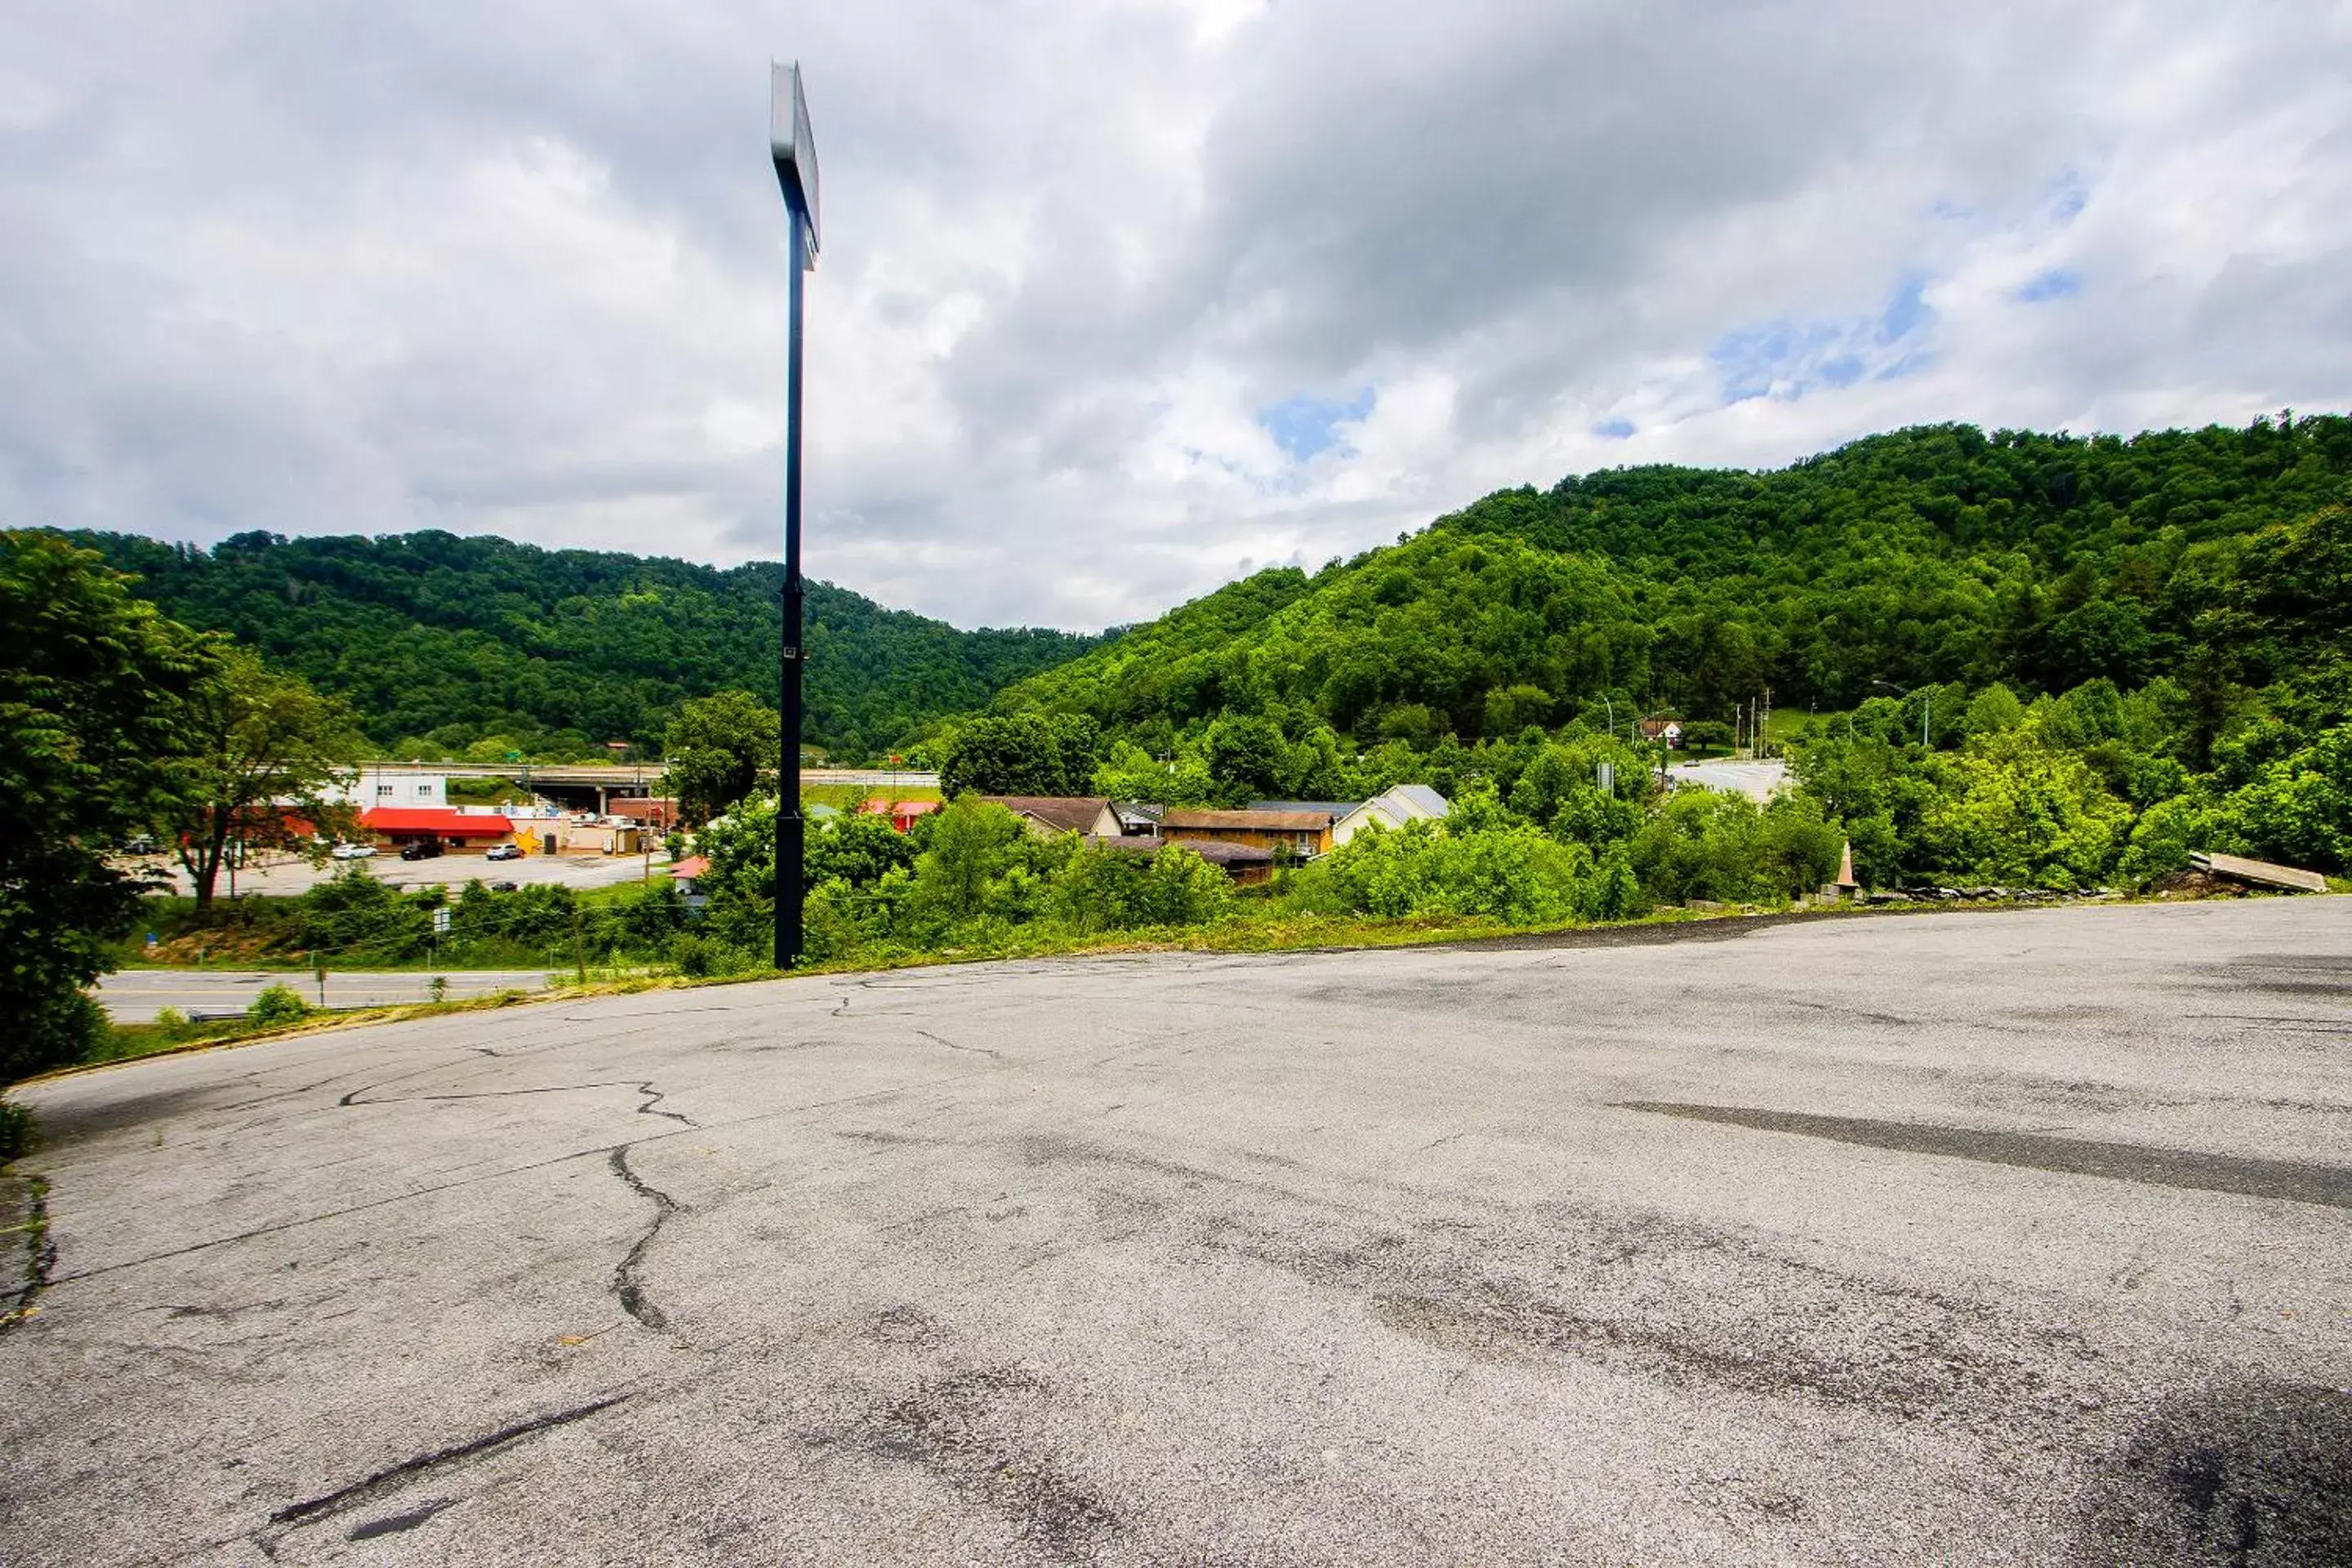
x=2014, y=1237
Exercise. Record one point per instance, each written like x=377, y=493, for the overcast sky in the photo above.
x=1119, y=301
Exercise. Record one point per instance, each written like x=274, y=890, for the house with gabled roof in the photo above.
x=1391, y=810
x=1301, y=832
x=1047, y=815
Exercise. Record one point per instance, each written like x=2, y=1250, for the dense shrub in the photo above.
x=279, y=1004
x=2016, y=811
x=1111, y=890
x=700, y=957
x=1514, y=873
x=16, y=1129
x=857, y=848
x=1706, y=844
x=354, y=916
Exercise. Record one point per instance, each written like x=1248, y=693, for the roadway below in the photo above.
x=137, y=996
x=1760, y=781
x=2017, y=1237
x=291, y=876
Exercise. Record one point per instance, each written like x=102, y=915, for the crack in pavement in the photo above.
x=654, y=1098
x=392, y=1477
x=802, y=1109
x=975, y=1050
x=643, y=1086
x=625, y=1282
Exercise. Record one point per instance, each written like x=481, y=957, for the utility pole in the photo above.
x=793, y=149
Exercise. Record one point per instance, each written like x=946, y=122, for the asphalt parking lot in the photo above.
x=1988, y=1237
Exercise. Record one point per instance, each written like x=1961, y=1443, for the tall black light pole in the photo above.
x=794, y=151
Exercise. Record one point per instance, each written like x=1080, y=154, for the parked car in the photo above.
x=423, y=849
x=506, y=887
x=140, y=844
x=354, y=851
x=504, y=852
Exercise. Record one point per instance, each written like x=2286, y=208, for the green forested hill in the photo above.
x=444, y=643
x=1933, y=554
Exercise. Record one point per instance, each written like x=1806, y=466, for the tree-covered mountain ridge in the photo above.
x=446, y=644
x=1926, y=555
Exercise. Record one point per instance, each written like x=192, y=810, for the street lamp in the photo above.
x=1926, y=705
x=794, y=151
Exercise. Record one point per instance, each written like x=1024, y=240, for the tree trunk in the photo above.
x=205, y=870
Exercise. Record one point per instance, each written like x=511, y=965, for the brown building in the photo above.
x=1301, y=832
x=1242, y=862
x=655, y=812
x=1045, y=815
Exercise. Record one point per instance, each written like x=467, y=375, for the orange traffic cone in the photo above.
x=1846, y=866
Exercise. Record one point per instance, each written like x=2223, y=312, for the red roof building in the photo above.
x=901, y=812
x=407, y=821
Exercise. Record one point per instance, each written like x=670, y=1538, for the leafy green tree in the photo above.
x=1559, y=789
x=970, y=843
x=717, y=749
x=1133, y=774
x=2164, y=837
x=739, y=882
x=354, y=916
x=1511, y=708
x=1612, y=892
x=1314, y=767
x=2296, y=808
x=1511, y=873
x=1245, y=757
x=1413, y=723
x=1021, y=753
x=1109, y=889
x=1879, y=793
x=1992, y=711
x=1797, y=848
x=258, y=753
x=92, y=699
x=858, y=849
x=1703, y=844
x=2021, y=813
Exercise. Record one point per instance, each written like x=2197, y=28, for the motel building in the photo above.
x=373, y=784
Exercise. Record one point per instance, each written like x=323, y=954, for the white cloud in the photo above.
x=520, y=268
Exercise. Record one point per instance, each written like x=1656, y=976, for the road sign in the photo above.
x=792, y=145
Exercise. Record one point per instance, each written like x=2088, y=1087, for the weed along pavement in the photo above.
x=2017, y=1237
x=137, y=996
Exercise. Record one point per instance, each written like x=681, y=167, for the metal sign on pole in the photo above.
x=793, y=149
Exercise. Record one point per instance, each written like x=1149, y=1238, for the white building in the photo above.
x=1392, y=809
x=389, y=784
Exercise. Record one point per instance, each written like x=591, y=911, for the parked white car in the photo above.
x=354, y=851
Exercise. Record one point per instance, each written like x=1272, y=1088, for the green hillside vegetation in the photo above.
x=2040, y=660
x=1927, y=555
x=451, y=647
